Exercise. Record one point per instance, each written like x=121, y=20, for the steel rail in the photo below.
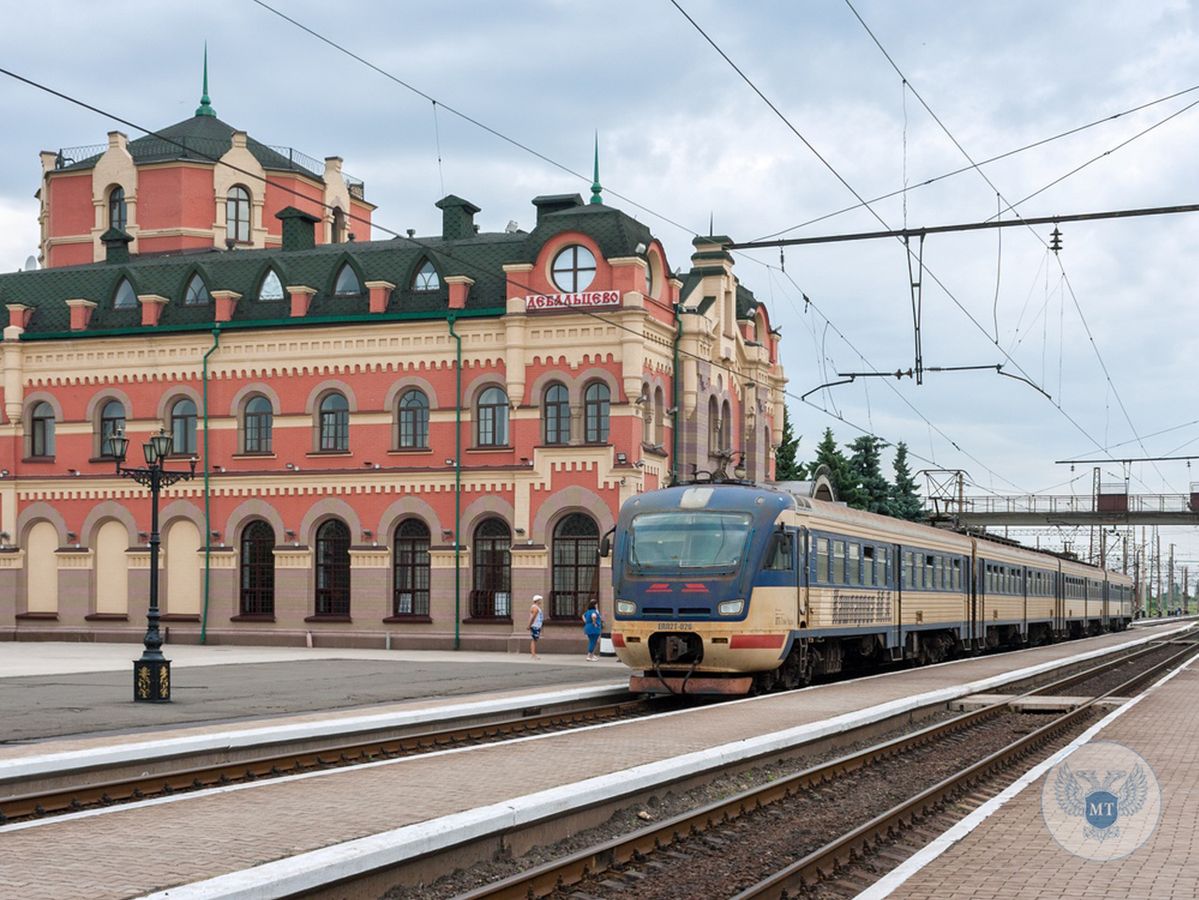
x=557, y=874
x=278, y=760
x=832, y=857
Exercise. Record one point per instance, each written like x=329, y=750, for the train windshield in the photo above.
x=670, y=541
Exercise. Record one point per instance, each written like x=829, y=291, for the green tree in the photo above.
x=829, y=454
x=905, y=498
x=786, y=468
x=872, y=491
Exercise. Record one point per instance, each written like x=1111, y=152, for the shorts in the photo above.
x=536, y=633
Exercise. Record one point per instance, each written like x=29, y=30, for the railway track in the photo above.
x=47, y=795
x=689, y=853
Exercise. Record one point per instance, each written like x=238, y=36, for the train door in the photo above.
x=1059, y=606
x=977, y=568
x=895, y=584
x=1027, y=576
x=802, y=576
x=1105, y=615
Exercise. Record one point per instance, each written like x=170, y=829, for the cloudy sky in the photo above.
x=684, y=137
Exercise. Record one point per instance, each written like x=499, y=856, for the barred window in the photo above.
x=491, y=596
x=575, y=566
x=411, y=569
x=257, y=566
x=333, y=569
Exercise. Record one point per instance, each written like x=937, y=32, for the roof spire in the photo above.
x=205, y=107
x=596, y=187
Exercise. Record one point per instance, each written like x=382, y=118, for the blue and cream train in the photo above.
x=732, y=588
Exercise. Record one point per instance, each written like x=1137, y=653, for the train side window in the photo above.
x=881, y=555
x=782, y=559
x=905, y=575
x=837, y=575
x=822, y=560
x=867, y=565
x=957, y=575
x=929, y=582
x=853, y=564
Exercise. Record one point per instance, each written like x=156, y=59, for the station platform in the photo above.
x=50, y=690
x=288, y=835
x=1012, y=853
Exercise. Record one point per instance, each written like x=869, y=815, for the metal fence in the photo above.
x=1074, y=503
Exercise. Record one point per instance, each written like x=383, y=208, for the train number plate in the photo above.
x=675, y=626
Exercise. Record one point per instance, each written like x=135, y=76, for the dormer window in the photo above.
x=124, y=297
x=348, y=284
x=271, y=288
x=426, y=278
x=573, y=269
x=197, y=292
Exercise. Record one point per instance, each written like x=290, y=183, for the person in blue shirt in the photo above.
x=593, y=625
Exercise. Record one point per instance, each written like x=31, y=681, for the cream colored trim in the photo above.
x=68, y=239
x=80, y=302
x=379, y=284
x=143, y=299
x=75, y=559
x=459, y=279
x=176, y=232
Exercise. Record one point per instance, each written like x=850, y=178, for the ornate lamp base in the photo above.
x=152, y=680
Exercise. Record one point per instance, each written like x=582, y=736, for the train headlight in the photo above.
x=730, y=607
x=626, y=608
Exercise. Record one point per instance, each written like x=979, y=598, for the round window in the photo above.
x=573, y=269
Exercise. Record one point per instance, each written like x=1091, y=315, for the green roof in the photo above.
x=478, y=256
x=204, y=138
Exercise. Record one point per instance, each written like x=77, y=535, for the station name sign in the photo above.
x=584, y=300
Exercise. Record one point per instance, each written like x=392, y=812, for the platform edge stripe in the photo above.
x=69, y=760
x=894, y=879
x=316, y=868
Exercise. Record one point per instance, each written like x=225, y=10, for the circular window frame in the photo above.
x=575, y=270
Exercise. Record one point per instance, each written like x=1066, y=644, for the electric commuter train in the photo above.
x=732, y=588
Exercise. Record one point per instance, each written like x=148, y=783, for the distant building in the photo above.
x=400, y=441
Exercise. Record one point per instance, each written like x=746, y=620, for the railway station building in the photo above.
x=399, y=441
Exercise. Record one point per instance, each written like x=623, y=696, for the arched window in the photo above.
x=493, y=418
x=237, y=215
x=334, y=423
x=41, y=430
x=713, y=427
x=112, y=423
x=271, y=287
x=348, y=284
x=257, y=566
x=333, y=569
x=650, y=265
x=659, y=417
x=647, y=416
x=118, y=214
x=124, y=296
x=726, y=426
x=573, y=269
x=596, y=406
x=555, y=409
x=575, y=566
x=426, y=278
x=491, y=597
x=411, y=562
x=197, y=292
x=414, y=419
x=258, y=425
x=183, y=427
x=339, y=225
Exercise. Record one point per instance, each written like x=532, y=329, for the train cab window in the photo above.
x=837, y=575
x=822, y=560
x=782, y=557
x=853, y=565
x=868, y=566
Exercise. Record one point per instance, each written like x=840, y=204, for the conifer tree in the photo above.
x=872, y=491
x=905, y=498
x=786, y=467
x=828, y=454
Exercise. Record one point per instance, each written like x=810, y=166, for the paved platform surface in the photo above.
x=50, y=690
x=156, y=844
x=1013, y=856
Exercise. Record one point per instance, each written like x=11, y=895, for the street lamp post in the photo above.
x=152, y=672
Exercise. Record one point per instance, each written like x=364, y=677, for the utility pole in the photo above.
x=1138, y=594
x=1157, y=567
x=1170, y=591
x=1186, y=590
